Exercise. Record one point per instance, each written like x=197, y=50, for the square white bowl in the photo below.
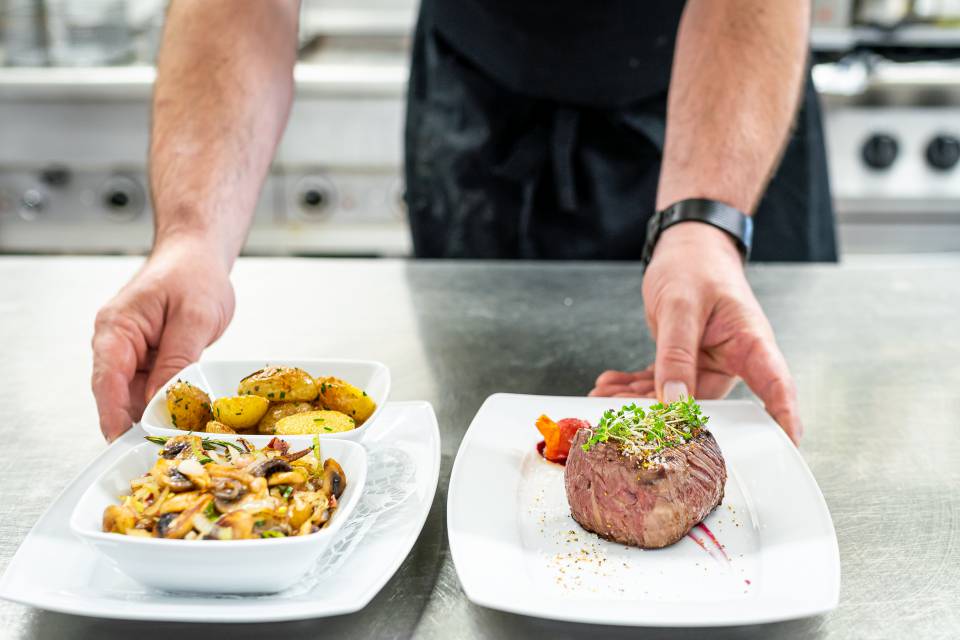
x=220, y=378
x=211, y=566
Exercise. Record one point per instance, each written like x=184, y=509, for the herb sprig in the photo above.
x=643, y=432
x=206, y=443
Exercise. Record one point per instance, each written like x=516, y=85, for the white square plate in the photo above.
x=220, y=378
x=767, y=553
x=53, y=569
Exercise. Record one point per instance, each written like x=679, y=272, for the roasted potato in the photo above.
x=278, y=410
x=189, y=406
x=280, y=384
x=338, y=395
x=314, y=422
x=218, y=427
x=240, y=412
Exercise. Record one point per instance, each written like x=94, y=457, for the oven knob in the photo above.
x=32, y=204
x=315, y=198
x=55, y=176
x=943, y=152
x=880, y=151
x=123, y=198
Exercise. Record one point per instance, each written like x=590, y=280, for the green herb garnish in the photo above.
x=285, y=490
x=207, y=443
x=273, y=534
x=211, y=512
x=640, y=432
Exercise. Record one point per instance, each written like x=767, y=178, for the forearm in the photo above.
x=735, y=86
x=222, y=97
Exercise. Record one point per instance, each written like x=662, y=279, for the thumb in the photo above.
x=182, y=342
x=679, y=331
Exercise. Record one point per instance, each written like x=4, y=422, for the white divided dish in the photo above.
x=197, y=566
x=220, y=378
x=57, y=570
x=767, y=553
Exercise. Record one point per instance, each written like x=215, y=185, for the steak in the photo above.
x=650, y=501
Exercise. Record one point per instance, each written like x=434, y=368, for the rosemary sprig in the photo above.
x=642, y=432
x=207, y=443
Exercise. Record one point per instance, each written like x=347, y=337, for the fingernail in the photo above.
x=673, y=390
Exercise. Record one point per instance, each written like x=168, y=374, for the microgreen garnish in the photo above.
x=640, y=432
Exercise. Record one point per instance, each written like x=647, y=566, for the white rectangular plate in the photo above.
x=516, y=547
x=55, y=570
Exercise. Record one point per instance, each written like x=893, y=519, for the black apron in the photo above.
x=497, y=172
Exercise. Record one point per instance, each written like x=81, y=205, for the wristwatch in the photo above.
x=722, y=216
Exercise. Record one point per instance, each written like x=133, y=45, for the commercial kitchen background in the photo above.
x=75, y=86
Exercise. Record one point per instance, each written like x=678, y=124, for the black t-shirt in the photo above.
x=605, y=53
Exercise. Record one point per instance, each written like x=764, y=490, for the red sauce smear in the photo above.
x=699, y=542
x=713, y=538
x=716, y=543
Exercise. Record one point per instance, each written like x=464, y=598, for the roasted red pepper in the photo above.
x=557, y=437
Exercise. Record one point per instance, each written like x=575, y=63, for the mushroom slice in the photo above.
x=170, y=526
x=226, y=492
x=292, y=477
x=166, y=475
x=117, y=519
x=179, y=502
x=223, y=471
x=334, y=479
x=304, y=505
x=269, y=466
x=173, y=447
x=236, y=525
x=194, y=471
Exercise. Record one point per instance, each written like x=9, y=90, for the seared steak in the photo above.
x=647, y=501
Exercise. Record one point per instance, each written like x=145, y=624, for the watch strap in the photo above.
x=735, y=223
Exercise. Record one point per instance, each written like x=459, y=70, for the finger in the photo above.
x=623, y=377
x=184, y=338
x=714, y=384
x=114, y=367
x=679, y=331
x=765, y=371
x=638, y=386
x=138, y=400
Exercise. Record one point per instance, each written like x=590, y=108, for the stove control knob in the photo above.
x=315, y=197
x=32, y=204
x=943, y=152
x=880, y=151
x=123, y=198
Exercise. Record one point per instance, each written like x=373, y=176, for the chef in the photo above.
x=682, y=135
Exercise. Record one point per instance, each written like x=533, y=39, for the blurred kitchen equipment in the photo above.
x=883, y=13
x=86, y=33
x=24, y=33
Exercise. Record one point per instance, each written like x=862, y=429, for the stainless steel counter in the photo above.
x=875, y=347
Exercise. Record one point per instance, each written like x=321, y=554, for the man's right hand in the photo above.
x=179, y=302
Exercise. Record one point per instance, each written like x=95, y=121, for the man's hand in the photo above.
x=709, y=329
x=179, y=302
